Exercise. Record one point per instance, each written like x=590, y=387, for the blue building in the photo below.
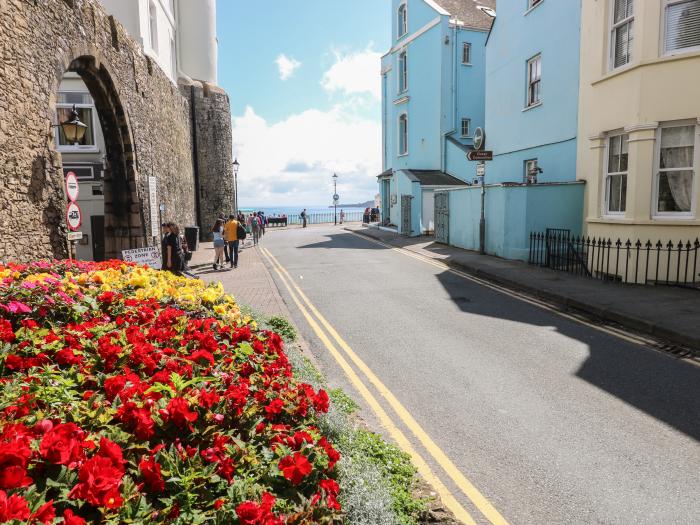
x=433, y=81
x=532, y=83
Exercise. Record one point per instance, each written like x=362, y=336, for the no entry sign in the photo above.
x=72, y=186
x=74, y=217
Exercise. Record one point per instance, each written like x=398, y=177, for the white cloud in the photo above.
x=287, y=66
x=290, y=163
x=355, y=73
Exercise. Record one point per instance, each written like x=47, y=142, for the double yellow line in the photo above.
x=314, y=317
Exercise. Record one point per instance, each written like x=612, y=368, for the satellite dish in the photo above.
x=487, y=10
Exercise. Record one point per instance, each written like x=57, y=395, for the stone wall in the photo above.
x=211, y=130
x=145, y=120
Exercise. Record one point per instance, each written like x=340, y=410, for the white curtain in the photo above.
x=681, y=184
x=677, y=151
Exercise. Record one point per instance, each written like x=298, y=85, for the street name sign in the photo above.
x=74, y=217
x=75, y=236
x=480, y=155
x=72, y=186
x=149, y=255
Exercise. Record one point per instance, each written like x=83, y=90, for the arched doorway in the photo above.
x=121, y=226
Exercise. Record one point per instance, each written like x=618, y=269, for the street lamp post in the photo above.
x=236, y=166
x=335, y=199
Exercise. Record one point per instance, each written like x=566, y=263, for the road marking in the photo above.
x=484, y=506
x=638, y=340
x=445, y=495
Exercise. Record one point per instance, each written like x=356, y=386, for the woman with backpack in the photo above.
x=219, y=244
x=173, y=258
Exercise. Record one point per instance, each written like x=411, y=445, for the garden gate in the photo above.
x=406, y=214
x=442, y=217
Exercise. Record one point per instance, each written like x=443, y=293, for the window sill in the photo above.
x=467, y=64
x=532, y=106
x=70, y=149
x=644, y=63
x=401, y=100
x=402, y=155
x=531, y=9
x=671, y=221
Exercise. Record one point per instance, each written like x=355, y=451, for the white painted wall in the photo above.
x=198, y=47
x=427, y=220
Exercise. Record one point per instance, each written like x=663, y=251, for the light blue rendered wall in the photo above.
x=512, y=214
x=514, y=135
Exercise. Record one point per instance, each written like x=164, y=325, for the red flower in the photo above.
x=67, y=357
x=178, y=411
x=249, y=513
x=13, y=508
x=15, y=453
x=7, y=335
x=274, y=408
x=150, y=470
x=100, y=477
x=321, y=401
x=63, y=445
x=295, y=468
x=219, y=503
x=69, y=518
x=137, y=419
x=45, y=514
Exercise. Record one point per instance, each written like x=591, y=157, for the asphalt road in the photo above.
x=553, y=421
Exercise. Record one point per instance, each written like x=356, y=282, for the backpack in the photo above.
x=240, y=232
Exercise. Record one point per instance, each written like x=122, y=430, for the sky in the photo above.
x=303, y=77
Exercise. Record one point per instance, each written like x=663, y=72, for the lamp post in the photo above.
x=236, y=166
x=335, y=199
x=73, y=129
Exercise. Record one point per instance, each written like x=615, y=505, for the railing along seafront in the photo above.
x=632, y=262
x=325, y=217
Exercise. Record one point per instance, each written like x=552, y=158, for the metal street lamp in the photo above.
x=335, y=199
x=236, y=166
x=73, y=129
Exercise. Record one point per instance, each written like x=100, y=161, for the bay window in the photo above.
x=681, y=26
x=621, y=33
x=676, y=166
x=616, y=174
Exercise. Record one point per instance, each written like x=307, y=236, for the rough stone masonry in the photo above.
x=149, y=126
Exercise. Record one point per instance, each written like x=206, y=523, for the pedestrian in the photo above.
x=172, y=249
x=219, y=244
x=231, y=238
x=342, y=216
x=263, y=222
x=255, y=228
x=303, y=218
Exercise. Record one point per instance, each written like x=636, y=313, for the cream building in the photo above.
x=639, y=119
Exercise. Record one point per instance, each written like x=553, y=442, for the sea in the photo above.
x=296, y=210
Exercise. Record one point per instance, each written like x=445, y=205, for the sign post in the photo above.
x=155, y=211
x=481, y=155
x=73, y=214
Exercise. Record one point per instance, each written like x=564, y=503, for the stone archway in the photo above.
x=124, y=224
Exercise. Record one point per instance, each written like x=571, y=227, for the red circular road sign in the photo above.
x=74, y=217
x=72, y=186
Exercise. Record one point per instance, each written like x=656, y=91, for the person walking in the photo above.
x=219, y=244
x=232, y=239
x=255, y=228
x=263, y=222
x=342, y=216
x=303, y=218
x=172, y=249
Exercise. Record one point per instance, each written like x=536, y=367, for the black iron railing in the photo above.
x=622, y=261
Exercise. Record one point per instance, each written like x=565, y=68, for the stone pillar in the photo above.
x=212, y=144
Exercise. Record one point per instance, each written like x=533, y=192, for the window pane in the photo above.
x=623, y=9
x=614, y=155
x=682, y=25
x=677, y=147
x=624, y=153
x=623, y=44
x=675, y=191
x=68, y=97
x=617, y=193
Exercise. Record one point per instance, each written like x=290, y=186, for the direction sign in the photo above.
x=74, y=217
x=480, y=155
x=72, y=186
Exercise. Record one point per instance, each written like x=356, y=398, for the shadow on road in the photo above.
x=345, y=241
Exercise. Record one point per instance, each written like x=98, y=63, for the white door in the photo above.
x=427, y=218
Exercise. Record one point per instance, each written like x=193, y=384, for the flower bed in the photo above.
x=133, y=396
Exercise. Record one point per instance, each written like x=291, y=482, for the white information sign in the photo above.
x=72, y=186
x=153, y=197
x=480, y=169
x=149, y=255
x=75, y=236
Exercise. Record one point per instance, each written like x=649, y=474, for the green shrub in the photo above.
x=283, y=327
x=342, y=401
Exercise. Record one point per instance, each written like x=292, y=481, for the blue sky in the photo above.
x=303, y=77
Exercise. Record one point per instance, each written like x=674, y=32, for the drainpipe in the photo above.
x=455, y=85
x=195, y=158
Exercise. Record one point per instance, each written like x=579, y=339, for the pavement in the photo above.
x=552, y=420
x=667, y=312
x=250, y=283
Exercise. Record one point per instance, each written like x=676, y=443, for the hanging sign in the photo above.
x=155, y=214
x=72, y=186
x=149, y=255
x=74, y=217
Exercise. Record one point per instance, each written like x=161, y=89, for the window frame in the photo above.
x=402, y=19
x=402, y=75
x=468, y=121
x=607, y=174
x=613, y=26
x=467, y=47
x=526, y=171
x=92, y=148
x=656, y=214
x=530, y=82
x=531, y=4
x=403, y=135
x=153, y=26
x=663, y=51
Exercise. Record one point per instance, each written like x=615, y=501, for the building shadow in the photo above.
x=344, y=241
